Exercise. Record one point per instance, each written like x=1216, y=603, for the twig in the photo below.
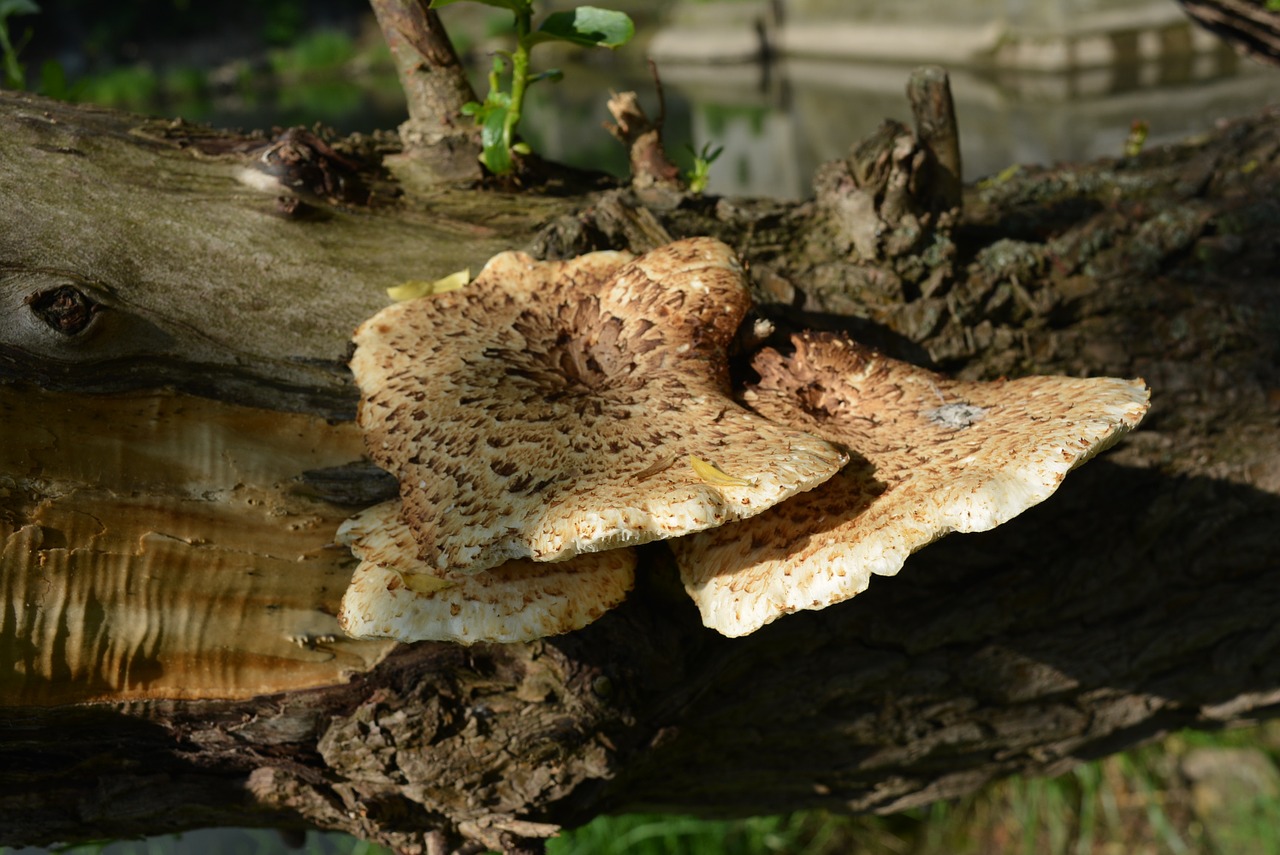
x=929, y=91
x=435, y=87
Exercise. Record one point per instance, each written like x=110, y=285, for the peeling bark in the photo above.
x=440, y=145
x=1141, y=598
x=653, y=176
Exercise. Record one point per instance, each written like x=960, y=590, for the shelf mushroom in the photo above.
x=552, y=408
x=394, y=595
x=931, y=456
x=558, y=409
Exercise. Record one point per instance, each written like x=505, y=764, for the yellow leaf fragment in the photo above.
x=712, y=475
x=415, y=288
x=424, y=583
x=1002, y=177
x=410, y=290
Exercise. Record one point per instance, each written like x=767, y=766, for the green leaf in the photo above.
x=495, y=155
x=555, y=75
x=53, y=81
x=586, y=26
x=17, y=7
x=516, y=6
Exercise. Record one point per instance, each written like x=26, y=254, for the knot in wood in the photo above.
x=65, y=309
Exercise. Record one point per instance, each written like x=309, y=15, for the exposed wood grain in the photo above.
x=161, y=546
x=215, y=272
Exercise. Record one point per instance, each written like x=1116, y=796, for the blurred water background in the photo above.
x=781, y=85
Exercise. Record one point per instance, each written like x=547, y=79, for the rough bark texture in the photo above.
x=441, y=145
x=1140, y=598
x=653, y=175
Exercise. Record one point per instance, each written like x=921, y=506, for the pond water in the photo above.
x=777, y=122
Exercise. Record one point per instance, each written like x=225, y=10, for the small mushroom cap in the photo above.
x=393, y=595
x=549, y=409
x=931, y=456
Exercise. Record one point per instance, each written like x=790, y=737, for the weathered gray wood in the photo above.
x=118, y=207
x=1142, y=597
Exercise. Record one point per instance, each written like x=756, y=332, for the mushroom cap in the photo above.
x=552, y=408
x=394, y=595
x=931, y=456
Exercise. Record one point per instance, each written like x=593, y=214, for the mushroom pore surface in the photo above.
x=931, y=455
x=553, y=408
x=394, y=595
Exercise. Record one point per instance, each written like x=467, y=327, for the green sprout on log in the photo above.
x=499, y=115
x=700, y=174
x=1137, y=137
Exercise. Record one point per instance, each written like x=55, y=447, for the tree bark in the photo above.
x=177, y=451
x=440, y=145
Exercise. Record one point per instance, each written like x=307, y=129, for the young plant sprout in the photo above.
x=11, y=74
x=699, y=175
x=500, y=113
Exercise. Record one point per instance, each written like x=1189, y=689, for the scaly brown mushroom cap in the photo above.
x=394, y=595
x=931, y=456
x=549, y=409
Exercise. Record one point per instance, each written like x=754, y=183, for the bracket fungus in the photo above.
x=558, y=409
x=545, y=409
x=937, y=455
x=394, y=595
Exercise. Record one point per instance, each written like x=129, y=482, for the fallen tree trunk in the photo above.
x=177, y=452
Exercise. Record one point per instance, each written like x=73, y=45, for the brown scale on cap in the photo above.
x=549, y=409
x=931, y=456
x=393, y=595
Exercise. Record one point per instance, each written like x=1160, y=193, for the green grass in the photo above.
x=1142, y=801
x=317, y=52
x=675, y=835
x=324, y=76
x=132, y=87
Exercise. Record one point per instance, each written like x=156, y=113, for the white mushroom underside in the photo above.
x=931, y=456
x=393, y=595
